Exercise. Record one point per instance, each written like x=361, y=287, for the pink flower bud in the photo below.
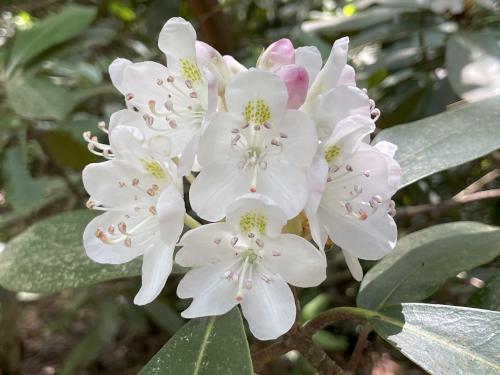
x=297, y=82
x=277, y=54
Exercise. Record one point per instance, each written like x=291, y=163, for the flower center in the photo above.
x=154, y=168
x=331, y=152
x=190, y=70
x=256, y=112
x=253, y=220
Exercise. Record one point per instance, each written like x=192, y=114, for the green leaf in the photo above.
x=205, y=346
x=164, y=315
x=50, y=32
x=440, y=142
x=22, y=191
x=38, y=98
x=468, y=55
x=49, y=257
x=443, y=339
x=488, y=297
x=66, y=151
x=329, y=341
x=424, y=260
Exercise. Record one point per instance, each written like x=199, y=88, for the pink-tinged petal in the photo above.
x=212, y=292
x=309, y=57
x=276, y=55
x=296, y=260
x=247, y=87
x=268, y=306
x=156, y=267
x=233, y=65
x=353, y=265
x=347, y=77
x=296, y=81
x=259, y=204
x=207, y=244
x=210, y=59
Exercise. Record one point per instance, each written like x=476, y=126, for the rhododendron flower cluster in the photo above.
x=287, y=140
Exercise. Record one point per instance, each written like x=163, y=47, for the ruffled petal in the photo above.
x=248, y=87
x=206, y=244
x=156, y=267
x=296, y=260
x=269, y=307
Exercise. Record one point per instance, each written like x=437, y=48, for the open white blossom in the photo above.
x=173, y=101
x=257, y=146
x=351, y=186
x=247, y=261
x=144, y=211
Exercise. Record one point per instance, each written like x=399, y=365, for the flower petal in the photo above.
x=177, y=41
x=255, y=85
x=286, y=185
x=116, y=69
x=170, y=209
x=269, y=307
x=296, y=259
x=353, y=265
x=156, y=267
x=275, y=218
x=310, y=58
x=218, y=185
x=206, y=244
x=212, y=293
x=100, y=252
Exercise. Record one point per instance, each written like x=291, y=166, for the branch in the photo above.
x=358, y=349
x=467, y=195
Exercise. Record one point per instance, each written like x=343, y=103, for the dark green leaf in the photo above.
x=424, y=260
x=443, y=339
x=50, y=32
x=205, y=346
x=440, y=142
x=39, y=98
x=164, y=315
x=49, y=257
x=488, y=297
x=66, y=151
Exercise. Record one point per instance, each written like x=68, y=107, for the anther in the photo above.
x=135, y=181
x=122, y=227
x=128, y=242
x=245, y=126
x=193, y=95
x=256, y=127
x=111, y=229
x=234, y=240
x=129, y=96
x=259, y=242
x=121, y=184
x=366, y=173
x=152, y=210
x=235, y=130
x=217, y=241
x=170, y=79
x=348, y=207
x=148, y=119
x=275, y=142
x=173, y=124
x=159, y=82
x=276, y=253
x=189, y=84
x=90, y=203
x=251, y=235
x=267, y=125
x=348, y=168
x=283, y=135
x=151, y=192
x=169, y=105
x=253, y=189
x=362, y=215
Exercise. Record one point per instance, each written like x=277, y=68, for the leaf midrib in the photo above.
x=204, y=343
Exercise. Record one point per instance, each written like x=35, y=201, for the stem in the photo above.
x=190, y=222
x=190, y=178
x=358, y=349
x=335, y=315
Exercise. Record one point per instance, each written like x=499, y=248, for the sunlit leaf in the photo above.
x=446, y=140
x=424, y=260
x=49, y=257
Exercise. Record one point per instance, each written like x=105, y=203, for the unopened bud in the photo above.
x=297, y=81
x=276, y=55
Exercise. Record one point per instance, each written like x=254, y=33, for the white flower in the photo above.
x=333, y=94
x=351, y=186
x=247, y=261
x=257, y=146
x=144, y=211
x=173, y=101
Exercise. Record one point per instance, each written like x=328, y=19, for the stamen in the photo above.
x=152, y=210
x=276, y=253
x=90, y=203
x=217, y=241
x=111, y=229
x=128, y=242
x=259, y=242
x=239, y=294
x=234, y=240
x=122, y=227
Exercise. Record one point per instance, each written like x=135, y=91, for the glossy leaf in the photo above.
x=443, y=339
x=440, y=142
x=39, y=98
x=50, y=32
x=488, y=297
x=205, y=346
x=424, y=260
x=49, y=257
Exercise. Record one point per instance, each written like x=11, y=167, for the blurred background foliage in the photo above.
x=54, y=85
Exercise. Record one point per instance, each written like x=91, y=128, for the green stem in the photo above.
x=335, y=315
x=190, y=222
